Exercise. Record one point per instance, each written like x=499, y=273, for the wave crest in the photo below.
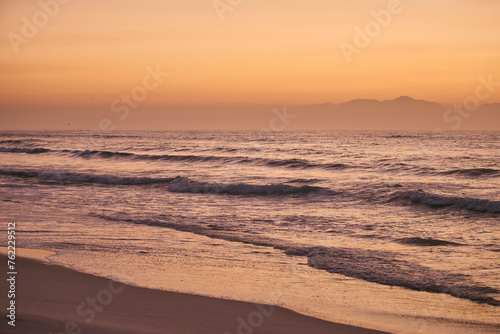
x=416, y=241
x=84, y=177
x=87, y=154
x=440, y=201
x=37, y=150
x=474, y=172
x=174, y=185
x=185, y=185
x=381, y=267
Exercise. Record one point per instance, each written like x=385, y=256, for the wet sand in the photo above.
x=55, y=299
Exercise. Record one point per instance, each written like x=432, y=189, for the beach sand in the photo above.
x=54, y=299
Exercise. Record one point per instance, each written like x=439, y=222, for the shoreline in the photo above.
x=54, y=299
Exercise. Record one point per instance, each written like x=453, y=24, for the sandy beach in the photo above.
x=246, y=167
x=54, y=299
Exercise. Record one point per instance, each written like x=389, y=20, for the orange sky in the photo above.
x=264, y=52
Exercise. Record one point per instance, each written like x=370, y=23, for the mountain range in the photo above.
x=402, y=113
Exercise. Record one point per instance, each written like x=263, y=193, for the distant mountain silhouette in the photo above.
x=491, y=106
x=406, y=100
x=371, y=103
x=402, y=113
x=360, y=102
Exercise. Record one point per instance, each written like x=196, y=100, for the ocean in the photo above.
x=397, y=231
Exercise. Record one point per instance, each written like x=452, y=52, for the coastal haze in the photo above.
x=251, y=166
x=403, y=113
x=84, y=60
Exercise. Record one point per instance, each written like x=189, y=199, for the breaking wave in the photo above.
x=24, y=150
x=84, y=177
x=416, y=241
x=474, y=172
x=441, y=201
x=289, y=163
x=174, y=185
x=185, y=185
x=381, y=267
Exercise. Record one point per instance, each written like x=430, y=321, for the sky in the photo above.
x=74, y=62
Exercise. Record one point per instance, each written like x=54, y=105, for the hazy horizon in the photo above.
x=69, y=64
